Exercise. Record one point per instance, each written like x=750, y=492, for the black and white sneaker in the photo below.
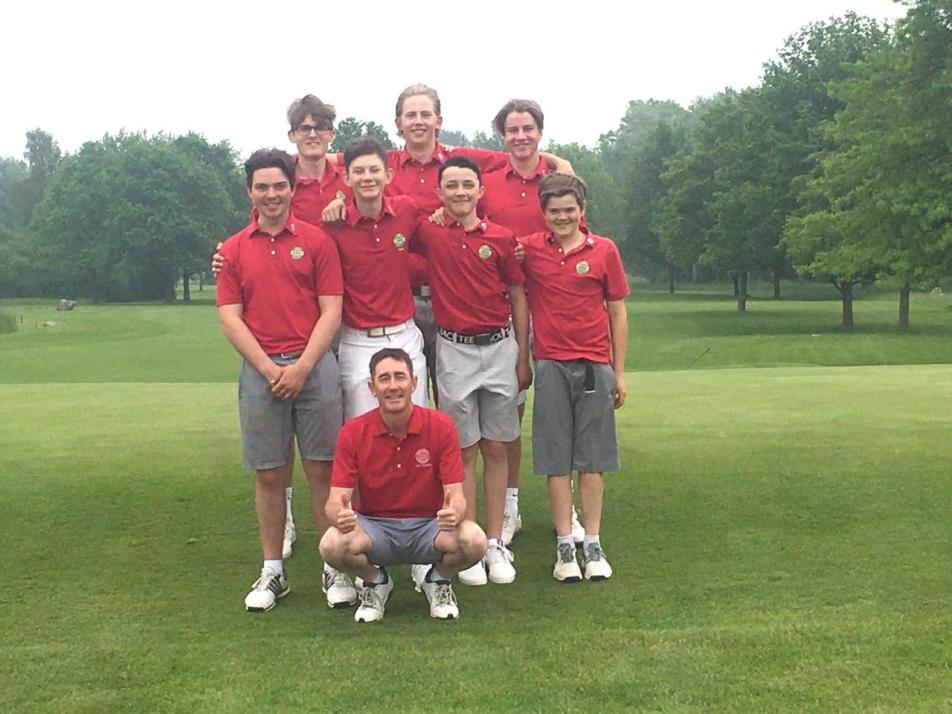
x=566, y=568
x=266, y=591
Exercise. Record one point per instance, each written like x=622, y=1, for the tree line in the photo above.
x=836, y=166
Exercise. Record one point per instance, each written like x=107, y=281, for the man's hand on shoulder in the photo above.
x=334, y=212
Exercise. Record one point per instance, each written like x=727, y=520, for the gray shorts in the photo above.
x=268, y=423
x=478, y=389
x=401, y=540
x=573, y=423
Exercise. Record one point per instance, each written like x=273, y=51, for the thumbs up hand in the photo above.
x=447, y=518
x=346, y=518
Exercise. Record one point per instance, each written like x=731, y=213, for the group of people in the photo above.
x=356, y=272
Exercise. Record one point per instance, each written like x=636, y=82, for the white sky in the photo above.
x=229, y=69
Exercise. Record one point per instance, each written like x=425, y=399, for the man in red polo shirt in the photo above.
x=279, y=302
x=374, y=242
x=404, y=462
x=318, y=181
x=578, y=286
x=480, y=366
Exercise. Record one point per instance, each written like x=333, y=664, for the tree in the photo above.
x=12, y=174
x=486, y=140
x=883, y=190
x=122, y=217
x=350, y=128
x=454, y=138
x=42, y=156
x=643, y=191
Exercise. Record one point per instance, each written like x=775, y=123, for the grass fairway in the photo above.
x=780, y=538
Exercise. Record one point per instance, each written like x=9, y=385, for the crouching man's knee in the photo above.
x=333, y=547
x=472, y=541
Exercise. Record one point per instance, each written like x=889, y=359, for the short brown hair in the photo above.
x=270, y=159
x=556, y=185
x=309, y=105
x=391, y=353
x=517, y=105
x=363, y=146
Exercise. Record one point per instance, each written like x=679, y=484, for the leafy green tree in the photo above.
x=454, y=138
x=350, y=128
x=122, y=218
x=883, y=191
x=488, y=140
x=617, y=148
x=42, y=156
x=12, y=174
x=644, y=192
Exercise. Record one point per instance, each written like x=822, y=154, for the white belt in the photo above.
x=388, y=329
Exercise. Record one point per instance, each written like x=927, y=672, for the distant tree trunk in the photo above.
x=671, y=279
x=201, y=281
x=186, y=295
x=736, y=284
x=742, y=292
x=904, y=306
x=846, y=295
x=168, y=293
x=776, y=284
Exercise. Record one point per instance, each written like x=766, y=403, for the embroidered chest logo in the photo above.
x=422, y=457
x=485, y=252
x=582, y=267
x=399, y=240
x=297, y=252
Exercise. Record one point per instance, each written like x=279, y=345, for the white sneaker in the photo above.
x=566, y=568
x=578, y=531
x=290, y=535
x=373, y=600
x=511, y=524
x=596, y=567
x=473, y=575
x=266, y=591
x=418, y=572
x=439, y=594
x=499, y=563
x=339, y=589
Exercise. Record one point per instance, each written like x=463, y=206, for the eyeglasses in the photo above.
x=306, y=129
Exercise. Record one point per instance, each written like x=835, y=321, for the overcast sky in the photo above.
x=229, y=70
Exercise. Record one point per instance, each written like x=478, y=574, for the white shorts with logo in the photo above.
x=356, y=349
x=478, y=388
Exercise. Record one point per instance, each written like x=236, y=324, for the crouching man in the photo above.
x=406, y=465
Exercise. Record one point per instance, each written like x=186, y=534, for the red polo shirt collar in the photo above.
x=589, y=241
x=414, y=426
x=440, y=154
x=541, y=169
x=354, y=216
x=330, y=173
x=252, y=228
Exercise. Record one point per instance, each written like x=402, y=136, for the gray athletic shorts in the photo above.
x=268, y=423
x=401, y=540
x=573, y=429
x=478, y=389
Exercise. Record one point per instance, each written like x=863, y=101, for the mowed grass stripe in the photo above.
x=780, y=540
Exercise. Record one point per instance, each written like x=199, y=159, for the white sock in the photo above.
x=275, y=565
x=288, y=515
x=328, y=569
x=494, y=542
x=566, y=540
x=589, y=540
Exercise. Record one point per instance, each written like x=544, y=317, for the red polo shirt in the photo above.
x=569, y=290
x=419, y=181
x=469, y=272
x=398, y=477
x=375, y=258
x=513, y=200
x=277, y=280
x=312, y=195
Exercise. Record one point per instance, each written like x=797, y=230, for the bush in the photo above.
x=8, y=323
